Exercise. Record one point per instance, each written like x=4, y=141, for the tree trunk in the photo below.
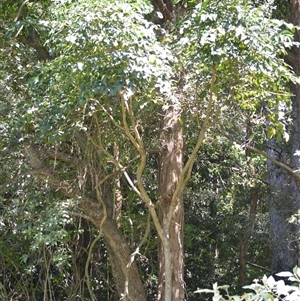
x=99, y=211
x=170, y=251
x=125, y=273
x=245, y=236
x=282, y=204
x=284, y=197
x=171, y=210
x=126, y=277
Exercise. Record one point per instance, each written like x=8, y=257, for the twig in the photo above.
x=294, y=175
x=259, y=266
x=20, y=10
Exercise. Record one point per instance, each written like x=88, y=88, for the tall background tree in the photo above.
x=284, y=197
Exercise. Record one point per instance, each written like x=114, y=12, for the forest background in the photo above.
x=148, y=148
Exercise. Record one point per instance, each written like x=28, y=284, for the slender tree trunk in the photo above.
x=245, y=236
x=118, y=194
x=170, y=251
x=284, y=197
x=171, y=210
x=213, y=211
x=83, y=242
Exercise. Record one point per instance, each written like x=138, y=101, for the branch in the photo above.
x=125, y=123
x=138, y=144
x=33, y=40
x=20, y=10
x=187, y=169
x=60, y=156
x=259, y=266
x=289, y=170
x=43, y=172
x=165, y=9
x=134, y=124
x=118, y=165
x=90, y=206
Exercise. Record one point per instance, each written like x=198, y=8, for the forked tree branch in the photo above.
x=187, y=169
x=138, y=143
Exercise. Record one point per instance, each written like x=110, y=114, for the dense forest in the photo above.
x=149, y=150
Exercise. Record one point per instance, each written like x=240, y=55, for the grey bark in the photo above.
x=283, y=203
x=284, y=196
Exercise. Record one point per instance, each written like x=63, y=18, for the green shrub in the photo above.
x=268, y=289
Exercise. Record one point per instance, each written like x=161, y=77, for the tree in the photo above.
x=284, y=199
x=101, y=70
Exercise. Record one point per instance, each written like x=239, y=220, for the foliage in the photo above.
x=43, y=246
x=216, y=214
x=99, y=52
x=120, y=51
x=268, y=289
x=246, y=46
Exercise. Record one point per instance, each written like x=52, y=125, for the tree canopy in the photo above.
x=115, y=117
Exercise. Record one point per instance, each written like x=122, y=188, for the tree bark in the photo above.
x=126, y=277
x=170, y=251
x=284, y=196
x=282, y=205
x=245, y=236
x=117, y=190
